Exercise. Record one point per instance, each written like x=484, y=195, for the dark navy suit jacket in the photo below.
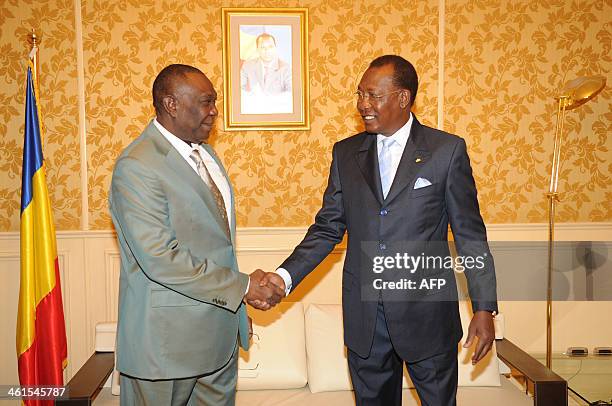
x=421, y=322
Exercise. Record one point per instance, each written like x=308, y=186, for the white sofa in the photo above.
x=298, y=358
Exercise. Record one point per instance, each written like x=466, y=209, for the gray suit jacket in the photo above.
x=180, y=292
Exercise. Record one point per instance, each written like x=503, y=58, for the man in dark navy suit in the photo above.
x=395, y=188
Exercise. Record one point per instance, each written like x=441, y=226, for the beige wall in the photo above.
x=490, y=78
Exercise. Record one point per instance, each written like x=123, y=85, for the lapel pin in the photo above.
x=417, y=160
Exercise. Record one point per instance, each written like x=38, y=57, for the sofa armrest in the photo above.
x=85, y=385
x=549, y=389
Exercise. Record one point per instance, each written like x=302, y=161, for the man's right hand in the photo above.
x=262, y=295
x=274, y=279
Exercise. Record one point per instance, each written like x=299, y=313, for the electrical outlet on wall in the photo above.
x=577, y=352
x=606, y=351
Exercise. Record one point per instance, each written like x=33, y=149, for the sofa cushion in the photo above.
x=105, y=337
x=325, y=350
x=326, y=354
x=277, y=357
x=486, y=371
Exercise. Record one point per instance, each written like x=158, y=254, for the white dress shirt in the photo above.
x=216, y=174
x=397, y=149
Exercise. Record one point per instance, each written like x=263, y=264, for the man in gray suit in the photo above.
x=181, y=297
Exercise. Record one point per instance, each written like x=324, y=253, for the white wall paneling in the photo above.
x=89, y=262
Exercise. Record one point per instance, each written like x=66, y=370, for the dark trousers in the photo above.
x=377, y=379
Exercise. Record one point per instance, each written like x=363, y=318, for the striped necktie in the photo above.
x=205, y=175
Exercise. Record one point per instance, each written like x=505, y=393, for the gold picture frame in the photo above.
x=265, y=69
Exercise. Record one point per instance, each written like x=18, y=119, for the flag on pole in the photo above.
x=41, y=334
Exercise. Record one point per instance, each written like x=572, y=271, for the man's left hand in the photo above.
x=481, y=326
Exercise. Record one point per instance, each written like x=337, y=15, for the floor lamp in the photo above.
x=575, y=93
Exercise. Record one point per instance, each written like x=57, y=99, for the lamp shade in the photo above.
x=581, y=90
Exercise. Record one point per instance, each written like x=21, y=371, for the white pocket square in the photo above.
x=421, y=183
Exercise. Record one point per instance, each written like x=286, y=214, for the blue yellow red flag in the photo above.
x=41, y=333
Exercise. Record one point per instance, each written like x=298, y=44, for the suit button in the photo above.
x=384, y=212
x=383, y=246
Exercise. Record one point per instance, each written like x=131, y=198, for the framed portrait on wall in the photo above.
x=265, y=69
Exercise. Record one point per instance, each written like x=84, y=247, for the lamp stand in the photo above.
x=574, y=94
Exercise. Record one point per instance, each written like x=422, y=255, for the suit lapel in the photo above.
x=367, y=159
x=415, y=154
x=175, y=161
x=186, y=173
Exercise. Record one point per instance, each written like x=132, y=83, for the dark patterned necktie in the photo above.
x=205, y=175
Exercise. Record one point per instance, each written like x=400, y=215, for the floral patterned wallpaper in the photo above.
x=58, y=84
x=502, y=63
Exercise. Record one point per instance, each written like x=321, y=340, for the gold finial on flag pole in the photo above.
x=34, y=41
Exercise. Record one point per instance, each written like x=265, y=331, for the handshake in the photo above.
x=266, y=289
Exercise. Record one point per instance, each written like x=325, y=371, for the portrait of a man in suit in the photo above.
x=266, y=78
x=181, y=297
x=266, y=73
x=400, y=184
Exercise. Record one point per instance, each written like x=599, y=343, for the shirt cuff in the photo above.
x=282, y=272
